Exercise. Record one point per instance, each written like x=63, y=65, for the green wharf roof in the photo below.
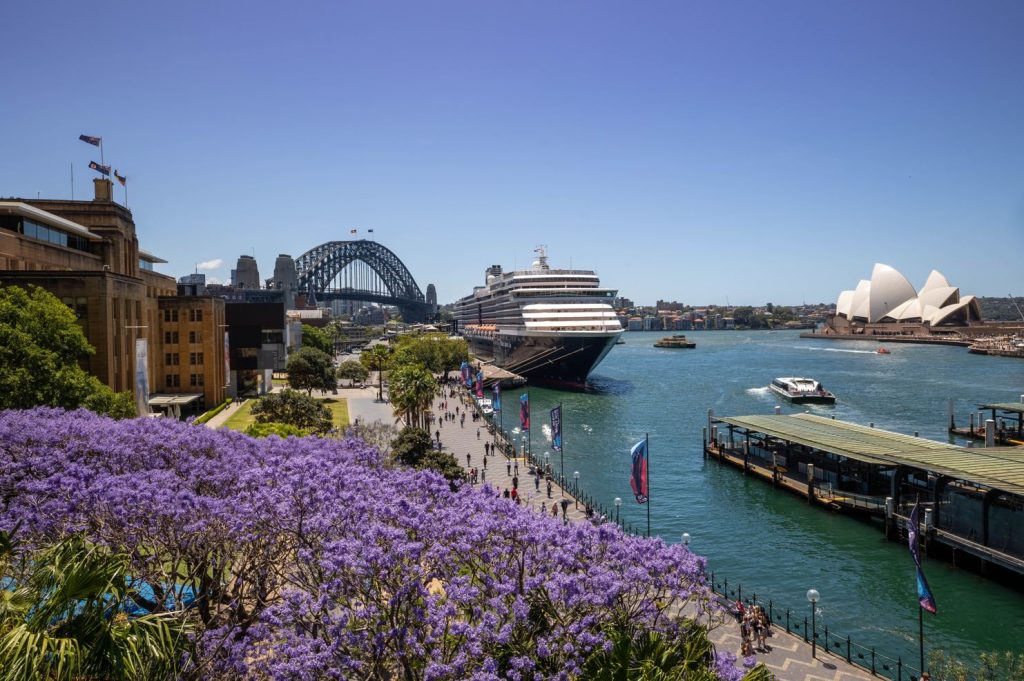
x=1016, y=407
x=1000, y=468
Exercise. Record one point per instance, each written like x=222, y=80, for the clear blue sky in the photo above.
x=695, y=151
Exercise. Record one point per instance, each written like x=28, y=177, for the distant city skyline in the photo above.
x=706, y=153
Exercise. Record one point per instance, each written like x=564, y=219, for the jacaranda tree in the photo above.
x=307, y=558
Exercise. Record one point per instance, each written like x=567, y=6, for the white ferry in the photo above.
x=801, y=391
x=549, y=325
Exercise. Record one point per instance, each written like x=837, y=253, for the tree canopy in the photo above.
x=310, y=369
x=318, y=339
x=41, y=345
x=294, y=409
x=353, y=371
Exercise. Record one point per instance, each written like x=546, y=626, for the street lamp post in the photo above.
x=686, y=540
x=576, y=488
x=618, y=505
x=813, y=596
x=547, y=462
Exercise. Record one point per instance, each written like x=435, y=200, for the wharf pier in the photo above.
x=1000, y=428
x=973, y=497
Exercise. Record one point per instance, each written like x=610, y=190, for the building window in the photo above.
x=171, y=315
x=171, y=359
x=195, y=358
x=195, y=336
x=173, y=380
x=170, y=336
x=195, y=315
x=196, y=379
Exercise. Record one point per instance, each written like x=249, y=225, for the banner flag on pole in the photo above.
x=924, y=592
x=465, y=373
x=524, y=411
x=638, y=477
x=480, y=384
x=556, y=428
x=99, y=168
x=496, y=403
x=89, y=139
x=121, y=178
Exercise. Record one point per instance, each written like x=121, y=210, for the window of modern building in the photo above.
x=145, y=265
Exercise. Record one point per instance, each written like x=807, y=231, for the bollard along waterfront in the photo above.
x=770, y=542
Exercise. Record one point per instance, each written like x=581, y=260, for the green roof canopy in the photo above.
x=1015, y=407
x=1000, y=468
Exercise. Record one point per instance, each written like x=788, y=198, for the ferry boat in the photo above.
x=549, y=325
x=677, y=341
x=801, y=391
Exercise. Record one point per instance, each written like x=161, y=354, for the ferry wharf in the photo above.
x=1003, y=414
x=972, y=497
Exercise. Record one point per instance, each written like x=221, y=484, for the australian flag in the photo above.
x=924, y=592
x=556, y=428
x=496, y=404
x=99, y=168
x=638, y=478
x=524, y=411
x=89, y=139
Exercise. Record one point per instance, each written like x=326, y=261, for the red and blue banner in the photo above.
x=556, y=428
x=924, y=592
x=465, y=373
x=480, y=384
x=496, y=403
x=638, y=476
x=524, y=411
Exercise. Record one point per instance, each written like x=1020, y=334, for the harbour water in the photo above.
x=771, y=542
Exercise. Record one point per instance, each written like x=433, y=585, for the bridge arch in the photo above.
x=319, y=267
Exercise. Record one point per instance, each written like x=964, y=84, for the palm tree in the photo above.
x=67, y=614
x=376, y=359
x=412, y=392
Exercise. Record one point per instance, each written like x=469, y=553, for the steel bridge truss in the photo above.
x=360, y=270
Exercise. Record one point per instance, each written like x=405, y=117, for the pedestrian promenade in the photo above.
x=788, y=656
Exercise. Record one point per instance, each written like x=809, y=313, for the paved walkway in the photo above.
x=218, y=420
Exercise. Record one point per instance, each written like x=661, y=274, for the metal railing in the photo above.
x=832, y=642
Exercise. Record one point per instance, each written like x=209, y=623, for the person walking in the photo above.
x=508, y=469
x=485, y=462
x=536, y=482
x=467, y=459
x=549, y=488
x=478, y=433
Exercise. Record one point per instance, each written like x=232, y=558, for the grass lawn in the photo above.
x=279, y=381
x=339, y=411
x=242, y=418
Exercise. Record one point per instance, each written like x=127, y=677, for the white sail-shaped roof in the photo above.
x=860, y=306
x=907, y=311
x=935, y=280
x=939, y=296
x=889, y=289
x=844, y=303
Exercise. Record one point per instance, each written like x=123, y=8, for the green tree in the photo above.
x=310, y=369
x=412, y=390
x=115, y=405
x=435, y=351
x=443, y=463
x=411, y=445
x=294, y=409
x=353, y=371
x=318, y=339
x=376, y=359
x=41, y=344
x=69, y=614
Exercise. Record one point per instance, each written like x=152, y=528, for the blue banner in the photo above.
x=524, y=411
x=465, y=373
x=496, y=403
x=924, y=592
x=556, y=428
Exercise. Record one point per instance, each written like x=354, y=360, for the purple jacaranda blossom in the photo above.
x=311, y=558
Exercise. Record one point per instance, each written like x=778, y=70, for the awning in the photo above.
x=173, y=400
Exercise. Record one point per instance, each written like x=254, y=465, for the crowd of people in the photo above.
x=755, y=628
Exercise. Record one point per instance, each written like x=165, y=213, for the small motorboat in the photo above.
x=883, y=351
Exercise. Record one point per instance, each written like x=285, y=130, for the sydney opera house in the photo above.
x=888, y=303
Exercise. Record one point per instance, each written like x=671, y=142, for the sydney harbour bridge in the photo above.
x=365, y=271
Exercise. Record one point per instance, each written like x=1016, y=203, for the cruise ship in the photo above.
x=550, y=325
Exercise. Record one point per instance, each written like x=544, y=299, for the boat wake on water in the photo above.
x=853, y=352
x=546, y=430
x=763, y=390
